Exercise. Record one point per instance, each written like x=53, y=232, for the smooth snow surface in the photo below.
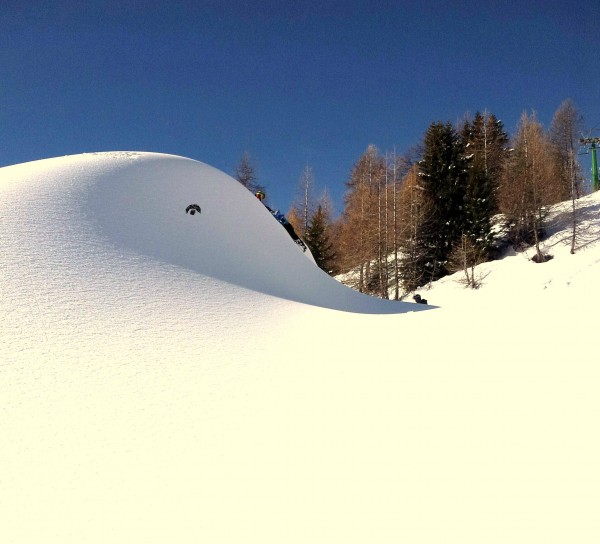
x=174, y=378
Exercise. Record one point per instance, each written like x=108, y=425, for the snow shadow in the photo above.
x=144, y=202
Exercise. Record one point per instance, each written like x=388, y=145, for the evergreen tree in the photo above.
x=318, y=240
x=485, y=146
x=443, y=173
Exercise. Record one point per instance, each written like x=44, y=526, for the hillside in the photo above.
x=515, y=278
x=176, y=378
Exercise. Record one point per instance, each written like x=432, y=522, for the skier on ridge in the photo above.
x=282, y=220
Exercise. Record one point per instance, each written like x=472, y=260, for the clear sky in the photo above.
x=292, y=83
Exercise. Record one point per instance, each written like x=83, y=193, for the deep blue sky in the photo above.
x=293, y=83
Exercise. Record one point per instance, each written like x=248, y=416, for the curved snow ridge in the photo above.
x=177, y=211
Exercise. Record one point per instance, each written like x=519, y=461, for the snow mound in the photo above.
x=138, y=204
x=153, y=389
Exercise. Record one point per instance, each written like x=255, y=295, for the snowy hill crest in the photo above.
x=169, y=377
x=136, y=203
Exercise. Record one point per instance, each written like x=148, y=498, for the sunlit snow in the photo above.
x=168, y=377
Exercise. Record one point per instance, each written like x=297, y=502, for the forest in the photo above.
x=458, y=198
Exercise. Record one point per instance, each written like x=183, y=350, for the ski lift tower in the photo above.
x=593, y=144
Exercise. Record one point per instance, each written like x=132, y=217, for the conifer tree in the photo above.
x=415, y=214
x=485, y=147
x=443, y=173
x=398, y=167
x=359, y=235
x=245, y=173
x=566, y=127
x=318, y=239
x=304, y=207
x=529, y=185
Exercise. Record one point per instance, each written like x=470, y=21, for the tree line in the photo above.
x=413, y=218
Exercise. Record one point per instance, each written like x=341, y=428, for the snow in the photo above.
x=177, y=378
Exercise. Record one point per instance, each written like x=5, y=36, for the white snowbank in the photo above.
x=152, y=394
x=134, y=204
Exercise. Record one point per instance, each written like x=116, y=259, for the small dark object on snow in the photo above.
x=192, y=209
x=417, y=298
x=543, y=259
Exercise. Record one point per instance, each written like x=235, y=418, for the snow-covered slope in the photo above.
x=516, y=280
x=174, y=378
x=85, y=210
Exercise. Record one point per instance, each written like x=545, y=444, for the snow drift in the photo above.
x=168, y=377
x=135, y=204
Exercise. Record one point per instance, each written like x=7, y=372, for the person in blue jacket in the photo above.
x=282, y=220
